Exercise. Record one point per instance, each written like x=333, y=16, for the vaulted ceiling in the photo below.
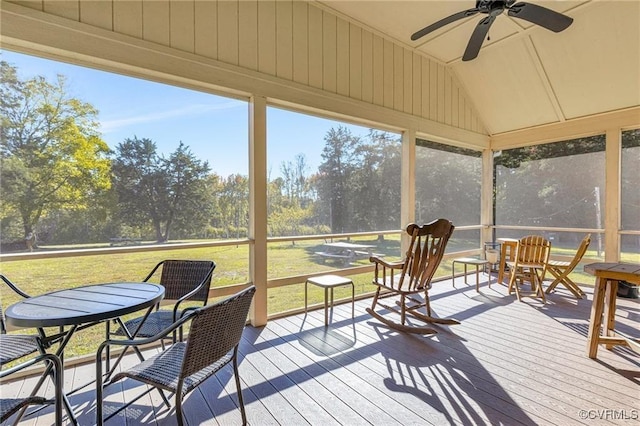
x=524, y=75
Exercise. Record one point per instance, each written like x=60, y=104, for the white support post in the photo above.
x=612, y=195
x=408, y=183
x=486, y=197
x=258, y=208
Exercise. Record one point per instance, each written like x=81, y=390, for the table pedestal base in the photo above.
x=603, y=310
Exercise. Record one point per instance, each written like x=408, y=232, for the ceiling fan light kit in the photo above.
x=533, y=13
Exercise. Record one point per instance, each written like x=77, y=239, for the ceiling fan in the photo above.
x=535, y=14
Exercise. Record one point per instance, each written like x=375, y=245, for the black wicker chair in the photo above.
x=212, y=343
x=14, y=347
x=10, y=406
x=183, y=280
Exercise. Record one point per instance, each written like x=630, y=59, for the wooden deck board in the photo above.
x=377, y=343
x=430, y=380
x=286, y=384
x=305, y=374
x=363, y=410
x=508, y=362
x=361, y=359
x=356, y=391
x=271, y=392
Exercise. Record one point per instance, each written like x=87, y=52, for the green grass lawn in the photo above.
x=39, y=276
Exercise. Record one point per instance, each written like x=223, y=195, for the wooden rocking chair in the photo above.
x=423, y=257
x=561, y=270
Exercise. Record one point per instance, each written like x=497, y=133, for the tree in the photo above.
x=288, y=221
x=294, y=179
x=335, y=172
x=374, y=193
x=547, y=185
x=233, y=202
x=51, y=152
x=447, y=183
x=168, y=193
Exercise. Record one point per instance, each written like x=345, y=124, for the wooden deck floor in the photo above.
x=507, y=363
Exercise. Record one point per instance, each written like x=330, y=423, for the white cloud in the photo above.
x=189, y=110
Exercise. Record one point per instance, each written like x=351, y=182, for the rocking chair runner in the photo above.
x=423, y=257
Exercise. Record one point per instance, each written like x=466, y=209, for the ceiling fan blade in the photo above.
x=477, y=38
x=441, y=23
x=542, y=16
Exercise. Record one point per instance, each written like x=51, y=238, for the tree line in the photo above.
x=62, y=181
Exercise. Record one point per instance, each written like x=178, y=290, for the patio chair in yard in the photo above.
x=212, y=343
x=412, y=276
x=183, y=280
x=561, y=270
x=530, y=263
x=16, y=348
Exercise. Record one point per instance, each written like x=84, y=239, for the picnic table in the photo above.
x=124, y=241
x=346, y=252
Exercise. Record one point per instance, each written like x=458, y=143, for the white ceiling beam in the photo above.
x=544, y=77
x=570, y=129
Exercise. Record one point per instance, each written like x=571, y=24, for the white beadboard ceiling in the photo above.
x=525, y=76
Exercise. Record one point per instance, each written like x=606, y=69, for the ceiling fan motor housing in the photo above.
x=492, y=7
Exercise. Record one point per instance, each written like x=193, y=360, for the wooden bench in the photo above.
x=346, y=257
x=124, y=241
x=366, y=254
x=329, y=255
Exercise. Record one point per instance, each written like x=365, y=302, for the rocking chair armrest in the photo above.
x=391, y=265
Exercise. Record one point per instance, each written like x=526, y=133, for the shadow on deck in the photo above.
x=507, y=363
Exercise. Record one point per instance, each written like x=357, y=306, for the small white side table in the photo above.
x=329, y=282
x=470, y=261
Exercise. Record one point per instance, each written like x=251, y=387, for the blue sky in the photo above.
x=215, y=128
